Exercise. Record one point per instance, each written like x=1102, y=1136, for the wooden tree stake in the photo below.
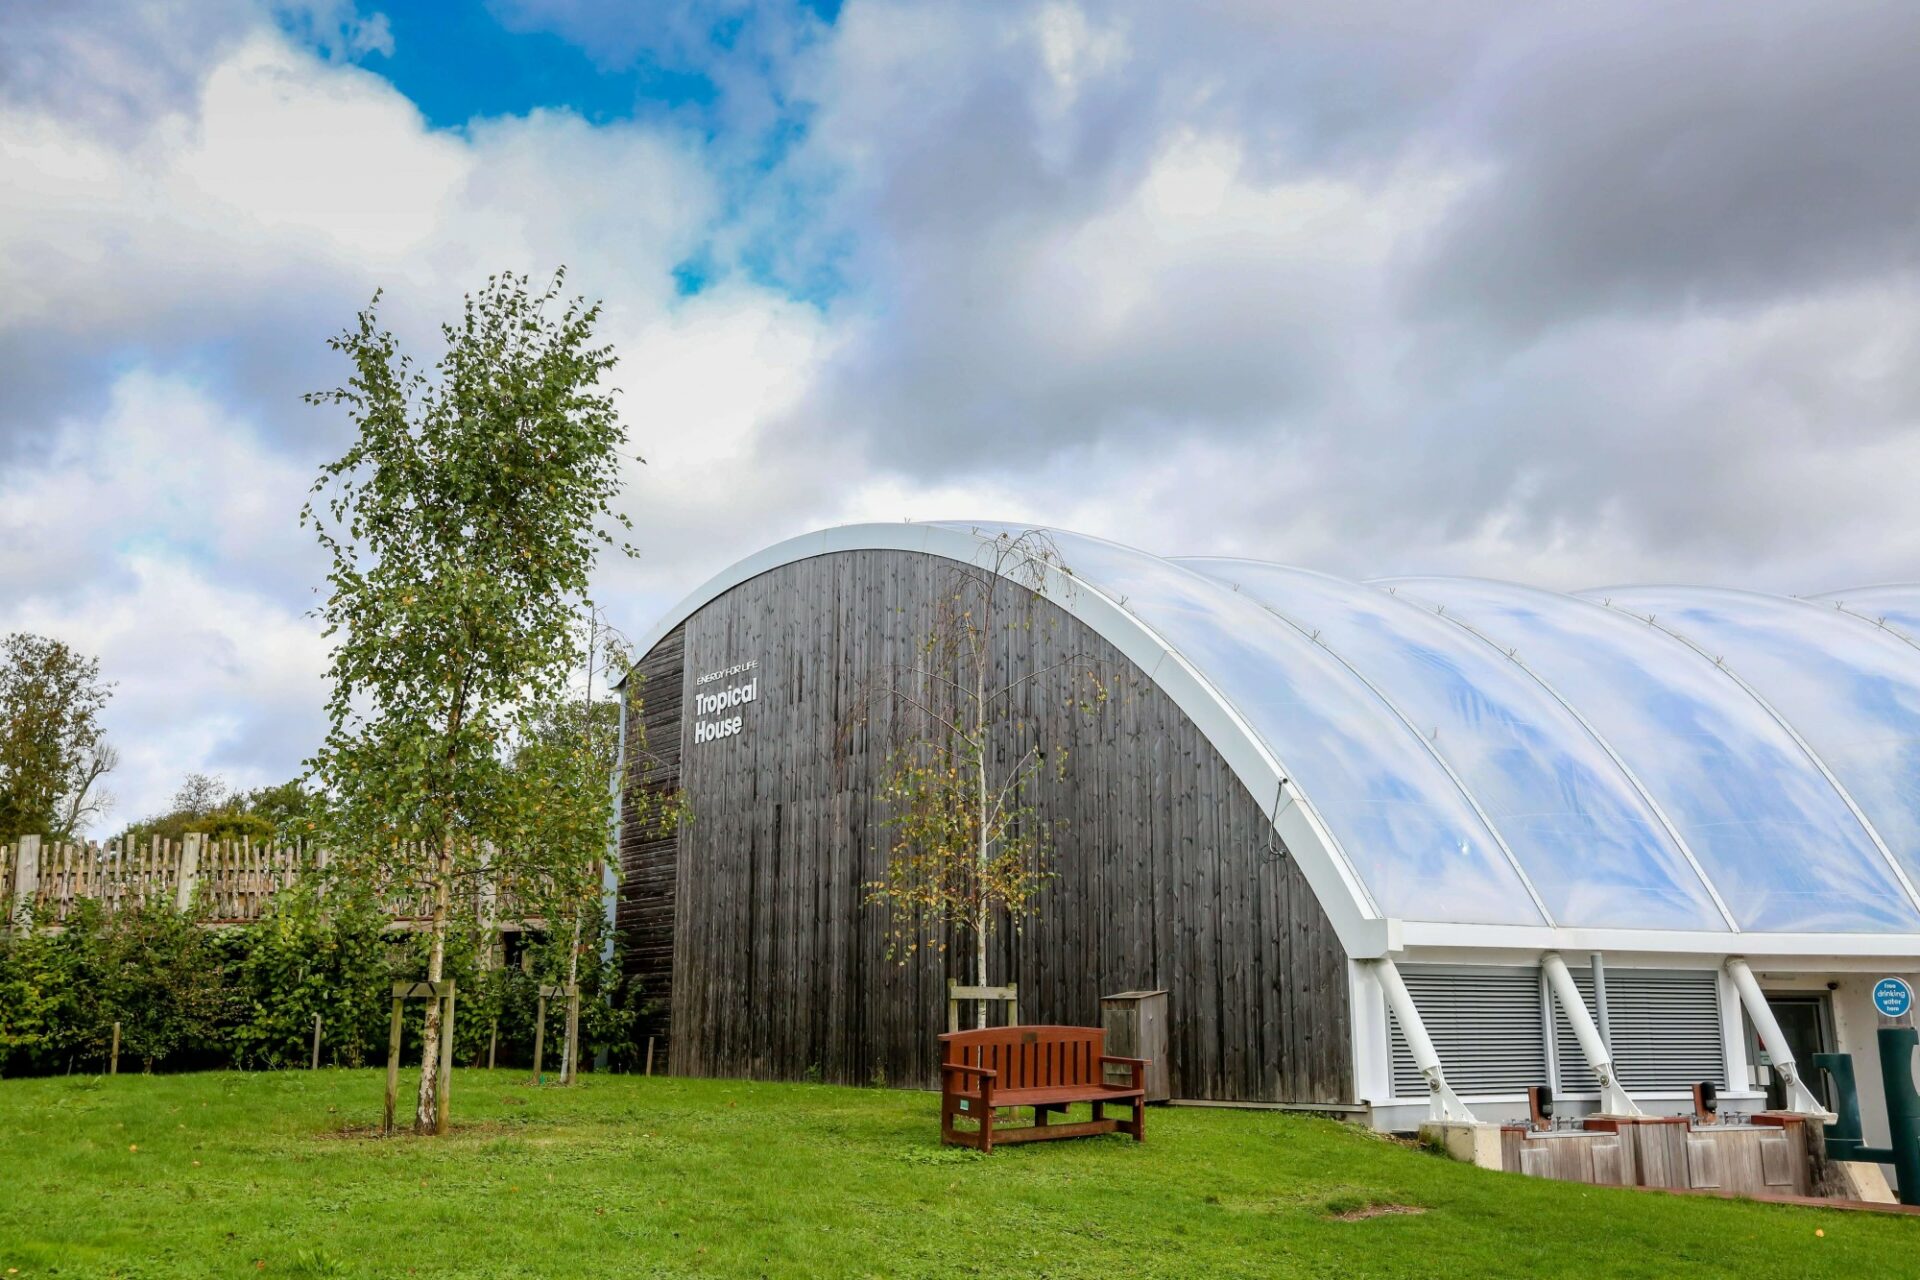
x=539, y=1034
x=316, y=1042
x=572, y=1073
x=1008, y=995
x=113, y=1063
x=403, y=992
x=443, y=1105
x=393, y=1064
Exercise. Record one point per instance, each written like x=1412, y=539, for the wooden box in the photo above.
x=1136, y=1027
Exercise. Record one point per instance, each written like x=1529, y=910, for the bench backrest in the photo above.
x=1030, y=1057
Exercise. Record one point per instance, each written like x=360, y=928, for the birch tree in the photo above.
x=463, y=524
x=968, y=852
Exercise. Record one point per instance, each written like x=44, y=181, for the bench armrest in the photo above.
x=987, y=1076
x=1138, y=1065
x=972, y=1071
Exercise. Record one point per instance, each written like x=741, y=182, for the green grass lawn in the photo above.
x=230, y=1174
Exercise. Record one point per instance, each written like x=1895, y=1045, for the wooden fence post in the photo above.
x=190, y=846
x=316, y=1042
x=26, y=881
x=649, y=1055
x=113, y=1061
x=493, y=1042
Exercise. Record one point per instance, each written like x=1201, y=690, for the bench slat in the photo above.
x=1058, y=1093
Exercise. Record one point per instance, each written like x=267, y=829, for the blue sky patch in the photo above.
x=457, y=62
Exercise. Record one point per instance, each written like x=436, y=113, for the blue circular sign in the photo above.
x=1892, y=997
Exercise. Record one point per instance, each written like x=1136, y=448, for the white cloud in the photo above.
x=208, y=677
x=326, y=157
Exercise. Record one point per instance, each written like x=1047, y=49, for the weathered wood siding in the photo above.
x=1168, y=873
x=648, y=846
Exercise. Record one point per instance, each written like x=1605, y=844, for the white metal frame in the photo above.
x=1443, y=1104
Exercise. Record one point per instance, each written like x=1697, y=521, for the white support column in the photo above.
x=1445, y=1103
x=1799, y=1098
x=1613, y=1098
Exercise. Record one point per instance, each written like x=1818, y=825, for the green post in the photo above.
x=1897, y=1048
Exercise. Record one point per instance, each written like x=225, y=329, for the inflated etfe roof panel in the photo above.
x=1894, y=607
x=1591, y=842
x=1851, y=692
x=1407, y=828
x=1774, y=836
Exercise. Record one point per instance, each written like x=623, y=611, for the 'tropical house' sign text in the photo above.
x=717, y=710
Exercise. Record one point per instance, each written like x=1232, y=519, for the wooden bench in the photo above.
x=1046, y=1068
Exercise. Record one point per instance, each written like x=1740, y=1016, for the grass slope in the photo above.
x=230, y=1174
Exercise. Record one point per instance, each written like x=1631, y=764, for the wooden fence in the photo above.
x=228, y=881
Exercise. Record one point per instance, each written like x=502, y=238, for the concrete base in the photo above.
x=1865, y=1181
x=1477, y=1144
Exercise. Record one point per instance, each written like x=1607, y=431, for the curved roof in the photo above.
x=1455, y=761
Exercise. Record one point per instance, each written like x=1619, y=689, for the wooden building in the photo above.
x=1394, y=850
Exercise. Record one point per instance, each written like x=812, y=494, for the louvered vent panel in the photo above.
x=1665, y=1025
x=1485, y=1023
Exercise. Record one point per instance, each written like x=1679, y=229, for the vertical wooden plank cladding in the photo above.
x=644, y=913
x=1167, y=872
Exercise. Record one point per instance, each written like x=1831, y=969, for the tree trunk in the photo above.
x=426, y=1110
x=980, y=966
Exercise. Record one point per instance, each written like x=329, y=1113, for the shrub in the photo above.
x=301, y=960
x=188, y=996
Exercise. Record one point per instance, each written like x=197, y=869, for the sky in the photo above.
x=1566, y=294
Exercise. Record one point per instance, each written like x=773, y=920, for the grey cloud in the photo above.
x=1715, y=155
x=115, y=65
x=1664, y=313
